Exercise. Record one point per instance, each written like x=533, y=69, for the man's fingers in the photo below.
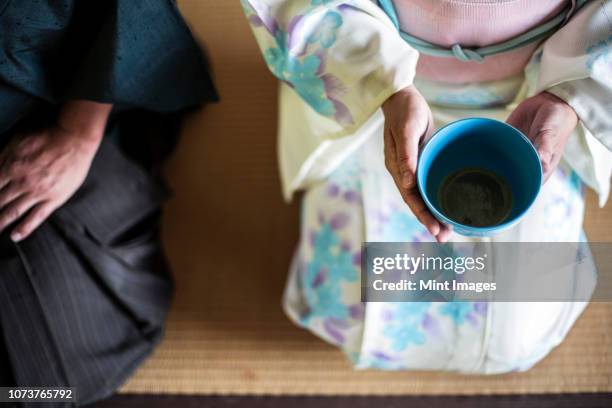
x=9, y=194
x=4, y=180
x=32, y=221
x=15, y=210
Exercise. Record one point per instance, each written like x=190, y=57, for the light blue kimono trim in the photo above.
x=465, y=54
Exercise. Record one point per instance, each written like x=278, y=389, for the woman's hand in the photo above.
x=548, y=122
x=408, y=121
x=40, y=171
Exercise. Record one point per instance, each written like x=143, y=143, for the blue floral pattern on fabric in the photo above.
x=576, y=183
x=463, y=312
x=405, y=324
x=600, y=56
x=345, y=182
x=333, y=263
x=401, y=226
x=325, y=33
x=563, y=202
x=381, y=361
x=299, y=55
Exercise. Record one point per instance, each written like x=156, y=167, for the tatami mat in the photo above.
x=230, y=238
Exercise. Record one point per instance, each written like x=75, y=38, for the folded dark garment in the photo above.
x=85, y=297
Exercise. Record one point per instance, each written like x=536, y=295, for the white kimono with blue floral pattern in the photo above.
x=338, y=61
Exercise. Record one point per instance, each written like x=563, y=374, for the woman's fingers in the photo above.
x=411, y=195
x=445, y=232
x=544, y=142
x=32, y=221
x=548, y=122
x=439, y=230
x=15, y=210
x=407, y=152
x=389, y=149
x=522, y=117
x=409, y=121
x=547, y=135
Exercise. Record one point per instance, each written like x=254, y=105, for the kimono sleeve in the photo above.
x=141, y=55
x=576, y=66
x=343, y=58
x=133, y=54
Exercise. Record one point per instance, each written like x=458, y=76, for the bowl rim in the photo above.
x=456, y=225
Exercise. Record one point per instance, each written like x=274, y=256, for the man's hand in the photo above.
x=408, y=121
x=39, y=172
x=548, y=122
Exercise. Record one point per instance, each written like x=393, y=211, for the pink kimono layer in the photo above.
x=474, y=23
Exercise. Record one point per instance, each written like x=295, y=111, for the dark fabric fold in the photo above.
x=77, y=310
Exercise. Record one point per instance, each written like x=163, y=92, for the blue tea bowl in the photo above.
x=485, y=144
